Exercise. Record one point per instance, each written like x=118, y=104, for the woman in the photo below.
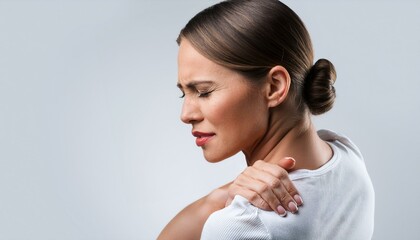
x=249, y=84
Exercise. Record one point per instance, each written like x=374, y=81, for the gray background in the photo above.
x=91, y=145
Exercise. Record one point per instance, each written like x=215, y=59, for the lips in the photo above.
x=202, y=138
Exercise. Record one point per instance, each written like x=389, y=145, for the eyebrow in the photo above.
x=193, y=84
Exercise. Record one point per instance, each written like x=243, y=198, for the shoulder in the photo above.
x=240, y=220
x=350, y=157
x=341, y=141
x=354, y=195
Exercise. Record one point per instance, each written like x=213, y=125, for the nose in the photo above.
x=190, y=111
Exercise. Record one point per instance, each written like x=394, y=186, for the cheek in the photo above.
x=224, y=111
x=252, y=123
x=240, y=120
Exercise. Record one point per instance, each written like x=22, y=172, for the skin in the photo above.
x=229, y=109
x=259, y=120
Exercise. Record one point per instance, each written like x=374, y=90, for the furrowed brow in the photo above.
x=193, y=84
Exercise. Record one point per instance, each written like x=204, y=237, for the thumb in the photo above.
x=287, y=163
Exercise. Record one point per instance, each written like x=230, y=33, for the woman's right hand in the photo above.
x=267, y=186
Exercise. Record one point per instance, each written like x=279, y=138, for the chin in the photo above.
x=215, y=158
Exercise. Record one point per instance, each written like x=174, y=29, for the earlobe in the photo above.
x=279, y=85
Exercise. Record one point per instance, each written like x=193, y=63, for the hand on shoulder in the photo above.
x=267, y=186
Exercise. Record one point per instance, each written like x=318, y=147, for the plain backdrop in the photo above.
x=91, y=145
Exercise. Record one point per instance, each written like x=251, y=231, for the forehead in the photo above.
x=194, y=66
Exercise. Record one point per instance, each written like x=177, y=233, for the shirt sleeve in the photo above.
x=240, y=220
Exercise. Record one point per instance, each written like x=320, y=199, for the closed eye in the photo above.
x=204, y=94
x=201, y=89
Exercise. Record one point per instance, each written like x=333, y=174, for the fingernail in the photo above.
x=293, y=207
x=281, y=211
x=298, y=200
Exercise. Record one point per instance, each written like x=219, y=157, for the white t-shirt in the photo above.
x=338, y=204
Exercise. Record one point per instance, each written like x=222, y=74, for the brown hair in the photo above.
x=252, y=36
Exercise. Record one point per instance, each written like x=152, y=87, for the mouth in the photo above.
x=202, y=138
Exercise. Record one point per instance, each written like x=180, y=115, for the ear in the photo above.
x=278, y=86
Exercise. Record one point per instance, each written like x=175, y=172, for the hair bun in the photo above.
x=318, y=89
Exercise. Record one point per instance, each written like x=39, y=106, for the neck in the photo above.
x=291, y=139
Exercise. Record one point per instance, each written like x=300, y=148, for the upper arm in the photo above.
x=240, y=220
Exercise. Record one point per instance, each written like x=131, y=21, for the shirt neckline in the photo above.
x=328, y=166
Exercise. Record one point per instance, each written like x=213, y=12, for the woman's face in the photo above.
x=227, y=113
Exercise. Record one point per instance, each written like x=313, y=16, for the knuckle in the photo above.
x=279, y=172
x=247, y=170
x=284, y=198
x=282, y=174
x=263, y=188
x=258, y=163
x=239, y=179
x=254, y=197
x=275, y=183
x=262, y=204
x=276, y=202
x=291, y=190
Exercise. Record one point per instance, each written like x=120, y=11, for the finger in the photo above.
x=287, y=163
x=275, y=185
x=251, y=196
x=290, y=188
x=263, y=189
x=278, y=173
x=286, y=199
x=271, y=168
x=287, y=191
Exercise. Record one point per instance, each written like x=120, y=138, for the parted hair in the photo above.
x=252, y=36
